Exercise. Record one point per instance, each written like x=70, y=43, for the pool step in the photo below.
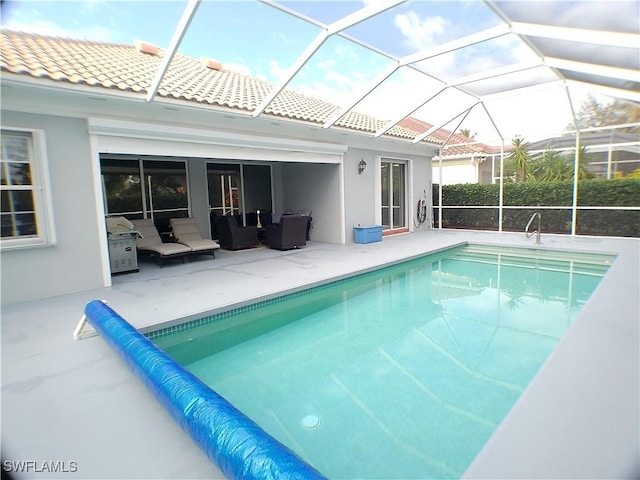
x=588, y=264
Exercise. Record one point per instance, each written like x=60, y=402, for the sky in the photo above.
x=256, y=39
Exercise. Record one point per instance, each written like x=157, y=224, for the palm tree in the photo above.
x=550, y=167
x=583, y=160
x=467, y=133
x=520, y=158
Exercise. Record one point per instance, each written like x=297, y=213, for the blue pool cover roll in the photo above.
x=240, y=448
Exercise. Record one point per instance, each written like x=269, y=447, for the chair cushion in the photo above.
x=202, y=244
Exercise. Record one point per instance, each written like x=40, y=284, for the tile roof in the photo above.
x=125, y=68
x=456, y=139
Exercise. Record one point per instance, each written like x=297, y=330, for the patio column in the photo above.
x=501, y=199
x=576, y=167
x=440, y=191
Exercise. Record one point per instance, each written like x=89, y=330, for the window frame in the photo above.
x=40, y=186
x=403, y=207
x=143, y=168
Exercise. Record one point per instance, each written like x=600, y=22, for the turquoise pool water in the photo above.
x=400, y=373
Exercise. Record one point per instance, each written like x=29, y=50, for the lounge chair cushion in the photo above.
x=185, y=231
x=149, y=240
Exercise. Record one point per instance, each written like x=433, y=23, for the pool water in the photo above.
x=404, y=372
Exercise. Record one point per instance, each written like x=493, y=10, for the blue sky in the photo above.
x=250, y=35
x=258, y=40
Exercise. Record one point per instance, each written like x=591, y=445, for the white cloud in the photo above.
x=616, y=16
x=34, y=18
x=327, y=63
x=237, y=68
x=284, y=39
x=420, y=33
x=345, y=52
x=44, y=27
x=41, y=27
x=277, y=71
x=344, y=82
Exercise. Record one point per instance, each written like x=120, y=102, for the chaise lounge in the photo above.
x=186, y=232
x=149, y=242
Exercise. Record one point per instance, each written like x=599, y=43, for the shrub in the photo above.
x=624, y=192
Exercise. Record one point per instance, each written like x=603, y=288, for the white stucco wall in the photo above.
x=74, y=262
x=361, y=190
x=199, y=194
x=315, y=187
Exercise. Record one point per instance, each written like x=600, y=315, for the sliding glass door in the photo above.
x=393, y=179
x=238, y=189
x=225, y=189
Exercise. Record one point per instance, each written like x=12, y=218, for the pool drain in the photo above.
x=310, y=421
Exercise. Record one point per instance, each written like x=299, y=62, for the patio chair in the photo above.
x=148, y=241
x=290, y=233
x=233, y=236
x=186, y=232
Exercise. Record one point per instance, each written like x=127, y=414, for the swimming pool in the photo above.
x=402, y=372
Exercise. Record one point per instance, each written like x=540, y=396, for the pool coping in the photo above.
x=543, y=436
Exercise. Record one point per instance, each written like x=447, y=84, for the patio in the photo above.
x=75, y=401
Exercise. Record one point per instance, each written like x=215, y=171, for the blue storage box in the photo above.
x=368, y=234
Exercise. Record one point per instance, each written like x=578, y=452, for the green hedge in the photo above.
x=605, y=193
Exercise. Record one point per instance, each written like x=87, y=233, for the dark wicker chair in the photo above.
x=290, y=233
x=232, y=236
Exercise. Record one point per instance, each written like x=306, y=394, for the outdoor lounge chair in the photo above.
x=186, y=232
x=149, y=241
x=233, y=236
x=290, y=233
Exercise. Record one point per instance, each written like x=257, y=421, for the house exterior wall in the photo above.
x=362, y=191
x=74, y=262
x=198, y=190
x=316, y=187
x=312, y=168
x=421, y=181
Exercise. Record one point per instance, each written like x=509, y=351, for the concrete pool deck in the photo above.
x=74, y=402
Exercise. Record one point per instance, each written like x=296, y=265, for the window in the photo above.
x=145, y=188
x=26, y=218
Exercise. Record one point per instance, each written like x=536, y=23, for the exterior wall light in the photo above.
x=361, y=166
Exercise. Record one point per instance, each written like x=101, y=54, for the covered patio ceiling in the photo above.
x=492, y=67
